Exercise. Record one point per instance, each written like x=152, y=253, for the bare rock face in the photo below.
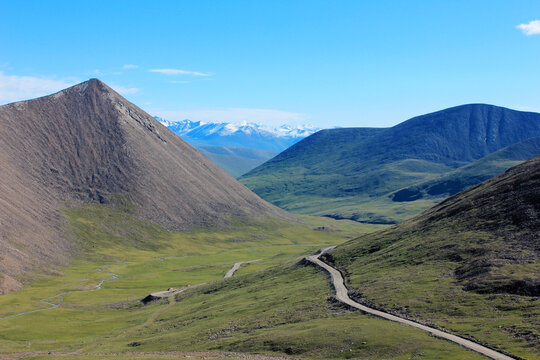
x=86, y=144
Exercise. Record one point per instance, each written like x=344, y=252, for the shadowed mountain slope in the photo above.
x=473, y=173
x=89, y=144
x=340, y=172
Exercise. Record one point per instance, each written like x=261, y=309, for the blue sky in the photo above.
x=328, y=63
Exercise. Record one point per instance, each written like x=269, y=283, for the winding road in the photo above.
x=171, y=292
x=343, y=295
x=60, y=297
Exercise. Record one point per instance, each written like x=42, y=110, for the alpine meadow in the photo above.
x=269, y=180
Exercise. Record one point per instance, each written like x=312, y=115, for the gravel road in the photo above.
x=343, y=296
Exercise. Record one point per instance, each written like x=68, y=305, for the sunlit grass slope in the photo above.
x=147, y=258
x=470, y=264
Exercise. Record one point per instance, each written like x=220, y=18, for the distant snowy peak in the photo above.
x=188, y=127
x=179, y=126
x=296, y=131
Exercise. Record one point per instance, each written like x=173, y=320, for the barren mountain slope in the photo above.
x=87, y=143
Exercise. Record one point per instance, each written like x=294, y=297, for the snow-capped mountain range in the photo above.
x=245, y=135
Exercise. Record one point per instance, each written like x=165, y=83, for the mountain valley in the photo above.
x=110, y=206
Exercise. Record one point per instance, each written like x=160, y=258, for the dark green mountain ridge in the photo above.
x=349, y=173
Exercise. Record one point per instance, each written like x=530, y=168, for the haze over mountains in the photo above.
x=357, y=173
x=238, y=148
x=88, y=144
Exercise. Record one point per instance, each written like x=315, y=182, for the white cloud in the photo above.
x=16, y=88
x=130, y=66
x=179, y=72
x=532, y=28
x=268, y=117
x=179, y=82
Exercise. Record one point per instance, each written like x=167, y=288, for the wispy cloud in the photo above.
x=179, y=82
x=17, y=88
x=179, y=72
x=268, y=117
x=532, y=28
x=130, y=66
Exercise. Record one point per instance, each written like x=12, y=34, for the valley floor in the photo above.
x=273, y=307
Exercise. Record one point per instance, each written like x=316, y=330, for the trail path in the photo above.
x=343, y=296
x=60, y=297
x=171, y=292
x=236, y=266
x=166, y=294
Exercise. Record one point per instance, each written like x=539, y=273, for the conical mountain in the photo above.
x=89, y=144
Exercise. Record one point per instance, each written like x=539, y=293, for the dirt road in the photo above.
x=343, y=296
x=171, y=292
x=235, y=267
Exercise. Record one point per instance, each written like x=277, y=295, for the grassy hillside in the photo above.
x=349, y=173
x=471, y=174
x=271, y=306
x=470, y=264
x=236, y=161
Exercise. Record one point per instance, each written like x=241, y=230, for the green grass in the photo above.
x=132, y=356
x=347, y=173
x=272, y=306
x=381, y=210
x=148, y=258
x=283, y=311
x=411, y=272
x=362, y=195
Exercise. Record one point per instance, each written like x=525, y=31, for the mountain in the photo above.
x=469, y=264
x=238, y=148
x=471, y=174
x=351, y=173
x=87, y=144
x=245, y=135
